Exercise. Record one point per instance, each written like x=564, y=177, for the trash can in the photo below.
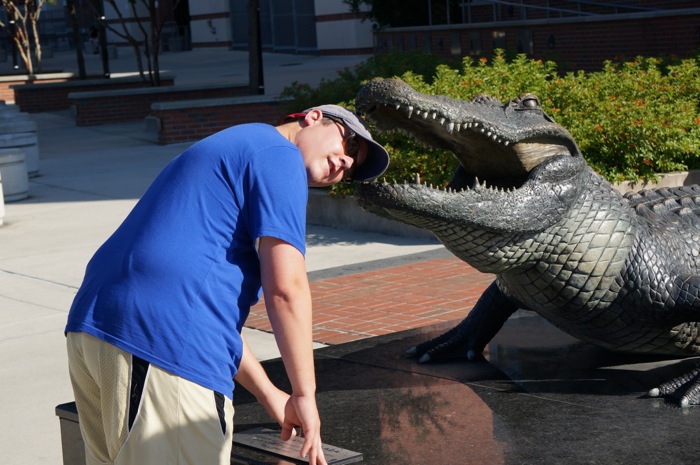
x=13, y=172
x=21, y=133
x=72, y=444
x=10, y=111
x=2, y=203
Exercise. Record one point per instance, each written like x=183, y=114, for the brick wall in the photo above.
x=574, y=43
x=44, y=95
x=194, y=120
x=104, y=107
x=6, y=82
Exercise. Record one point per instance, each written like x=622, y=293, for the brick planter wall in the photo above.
x=188, y=121
x=116, y=106
x=6, y=82
x=41, y=95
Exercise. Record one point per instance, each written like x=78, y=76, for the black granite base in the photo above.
x=539, y=397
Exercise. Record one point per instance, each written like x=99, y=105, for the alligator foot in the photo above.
x=685, y=388
x=453, y=344
x=469, y=337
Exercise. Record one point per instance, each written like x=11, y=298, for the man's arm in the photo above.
x=288, y=302
x=251, y=375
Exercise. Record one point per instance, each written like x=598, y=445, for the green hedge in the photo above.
x=631, y=120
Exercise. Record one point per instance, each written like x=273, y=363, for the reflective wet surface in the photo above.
x=538, y=397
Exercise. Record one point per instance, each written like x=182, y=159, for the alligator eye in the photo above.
x=530, y=103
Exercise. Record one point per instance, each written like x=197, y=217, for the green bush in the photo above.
x=631, y=120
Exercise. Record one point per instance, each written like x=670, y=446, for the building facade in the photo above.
x=289, y=26
x=575, y=34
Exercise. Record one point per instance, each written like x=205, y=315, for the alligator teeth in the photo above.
x=410, y=111
x=398, y=106
x=458, y=127
x=442, y=120
x=450, y=127
x=433, y=115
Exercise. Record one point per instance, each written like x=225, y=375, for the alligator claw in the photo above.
x=469, y=338
x=448, y=345
x=413, y=352
x=685, y=388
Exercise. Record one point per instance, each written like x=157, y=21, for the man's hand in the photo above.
x=275, y=404
x=252, y=376
x=302, y=411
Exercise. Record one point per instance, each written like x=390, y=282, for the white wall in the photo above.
x=350, y=34
x=342, y=34
x=210, y=30
x=203, y=7
x=329, y=7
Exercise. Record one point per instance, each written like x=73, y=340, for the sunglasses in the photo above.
x=351, y=146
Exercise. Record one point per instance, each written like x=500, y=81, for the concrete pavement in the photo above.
x=89, y=180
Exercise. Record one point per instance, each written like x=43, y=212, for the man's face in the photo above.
x=323, y=147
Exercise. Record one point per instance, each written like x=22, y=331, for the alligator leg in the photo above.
x=469, y=337
x=685, y=388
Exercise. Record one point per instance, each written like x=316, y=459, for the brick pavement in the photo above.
x=388, y=300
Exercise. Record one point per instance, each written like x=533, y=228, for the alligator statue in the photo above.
x=621, y=272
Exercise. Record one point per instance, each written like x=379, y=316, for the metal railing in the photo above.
x=571, y=8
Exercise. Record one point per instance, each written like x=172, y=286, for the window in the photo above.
x=499, y=39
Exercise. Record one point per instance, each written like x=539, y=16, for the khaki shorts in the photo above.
x=134, y=413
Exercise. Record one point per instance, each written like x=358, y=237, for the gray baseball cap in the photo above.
x=377, y=160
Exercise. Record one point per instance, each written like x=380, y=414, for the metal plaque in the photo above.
x=269, y=441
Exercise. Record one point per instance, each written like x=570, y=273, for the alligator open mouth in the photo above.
x=517, y=166
x=497, y=143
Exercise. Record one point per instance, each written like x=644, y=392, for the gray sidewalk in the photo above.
x=89, y=180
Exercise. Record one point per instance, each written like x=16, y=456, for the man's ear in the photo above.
x=313, y=117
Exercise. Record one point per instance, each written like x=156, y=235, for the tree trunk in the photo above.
x=77, y=39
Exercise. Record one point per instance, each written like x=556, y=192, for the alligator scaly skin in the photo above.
x=622, y=272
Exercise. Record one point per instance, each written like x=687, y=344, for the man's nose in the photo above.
x=347, y=161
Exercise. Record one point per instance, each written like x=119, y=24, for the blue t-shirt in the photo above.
x=175, y=282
